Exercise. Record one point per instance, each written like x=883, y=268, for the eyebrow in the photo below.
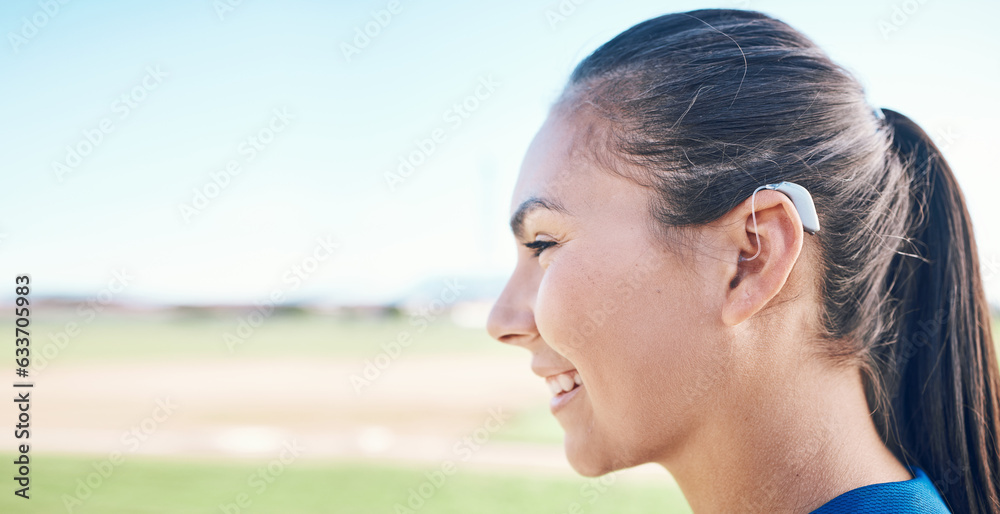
x=527, y=207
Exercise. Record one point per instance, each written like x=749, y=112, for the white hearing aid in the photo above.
x=802, y=201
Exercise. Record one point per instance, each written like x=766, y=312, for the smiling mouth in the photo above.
x=564, y=382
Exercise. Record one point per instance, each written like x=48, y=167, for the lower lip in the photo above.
x=559, y=401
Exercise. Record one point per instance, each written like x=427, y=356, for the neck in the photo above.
x=767, y=450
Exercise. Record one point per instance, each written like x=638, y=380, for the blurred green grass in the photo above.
x=150, y=485
x=124, y=337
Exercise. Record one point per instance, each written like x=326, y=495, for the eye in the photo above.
x=539, y=246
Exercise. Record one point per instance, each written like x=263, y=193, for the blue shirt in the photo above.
x=916, y=495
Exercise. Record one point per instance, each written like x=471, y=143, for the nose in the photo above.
x=512, y=318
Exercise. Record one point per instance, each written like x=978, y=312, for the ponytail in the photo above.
x=939, y=378
x=902, y=297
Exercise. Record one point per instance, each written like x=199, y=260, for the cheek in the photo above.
x=637, y=331
x=592, y=307
x=575, y=303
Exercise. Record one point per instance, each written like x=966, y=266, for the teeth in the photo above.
x=564, y=382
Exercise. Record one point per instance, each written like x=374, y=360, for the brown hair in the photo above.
x=713, y=103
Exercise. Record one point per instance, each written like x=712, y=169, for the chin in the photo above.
x=585, y=458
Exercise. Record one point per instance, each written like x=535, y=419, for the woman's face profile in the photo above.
x=607, y=300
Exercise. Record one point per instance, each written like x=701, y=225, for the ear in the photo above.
x=754, y=282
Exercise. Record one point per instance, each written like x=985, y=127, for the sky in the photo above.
x=220, y=151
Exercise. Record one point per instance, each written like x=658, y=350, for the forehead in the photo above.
x=551, y=170
x=560, y=174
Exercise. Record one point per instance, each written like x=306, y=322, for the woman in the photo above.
x=679, y=310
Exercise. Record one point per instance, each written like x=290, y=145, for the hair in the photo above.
x=710, y=104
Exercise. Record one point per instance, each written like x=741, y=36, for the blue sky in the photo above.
x=202, y=89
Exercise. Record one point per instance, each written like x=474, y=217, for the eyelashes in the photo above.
x=539, y=246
